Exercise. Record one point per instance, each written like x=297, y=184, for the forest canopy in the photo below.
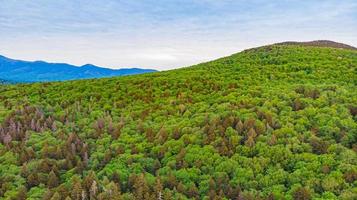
x=276, y=122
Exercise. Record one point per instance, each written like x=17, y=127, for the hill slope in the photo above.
x=321, y=43
x=275, y=122
x=39, y=71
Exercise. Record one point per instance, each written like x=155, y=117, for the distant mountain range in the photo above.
x=39, y=71
x=3, y=81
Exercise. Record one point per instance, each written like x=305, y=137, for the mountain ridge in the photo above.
x=42, y=71
x=320, y=43
x=313, y=43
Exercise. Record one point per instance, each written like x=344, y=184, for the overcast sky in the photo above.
x=164, y=34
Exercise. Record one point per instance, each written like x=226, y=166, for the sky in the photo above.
x=164, y=34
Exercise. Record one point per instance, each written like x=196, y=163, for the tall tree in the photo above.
x=52, y=180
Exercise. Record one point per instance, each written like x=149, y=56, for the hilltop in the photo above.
x=40, y=71
x=276, y=122
x=321, y=43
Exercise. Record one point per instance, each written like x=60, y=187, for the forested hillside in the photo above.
x=277, y=122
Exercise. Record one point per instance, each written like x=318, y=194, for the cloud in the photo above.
x=161, y=33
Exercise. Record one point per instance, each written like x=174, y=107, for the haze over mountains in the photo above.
x=39, y=71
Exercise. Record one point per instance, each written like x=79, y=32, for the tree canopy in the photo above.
x=276, y=122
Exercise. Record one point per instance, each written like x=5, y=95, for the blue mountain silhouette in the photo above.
x=40, y=71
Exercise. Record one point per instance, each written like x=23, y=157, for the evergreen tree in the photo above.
x=77, y=190
x=52, y=180
x=141, y=189
x=56, y=196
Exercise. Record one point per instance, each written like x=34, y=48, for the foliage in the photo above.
x=277, y=122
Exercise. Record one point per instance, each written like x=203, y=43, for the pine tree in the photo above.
x=156, y=166
x=250, y=142
x=141, y=189
x=63, y=191
x=297, y=105
x=249, y=123
x=273, y=140
x=21, y=194
x=221, y=194
x=181, y=188
x=149, y=134
x=176, y=133
x=93, y=190
x=162, y=136
x=252, y=133
x=158, y=189
x=192, y=191
x=47, y=195
x=116, y=132
x=88, y=180
x=131, y=181
x=76, y=193
x=180, y=159
x=52, y=180
x=56, y=196
x=116, y=177
x=111, y=192
x=44, y=167
x=239, y=127
x=32, y=180
x=212, y=194
x=171, y=181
